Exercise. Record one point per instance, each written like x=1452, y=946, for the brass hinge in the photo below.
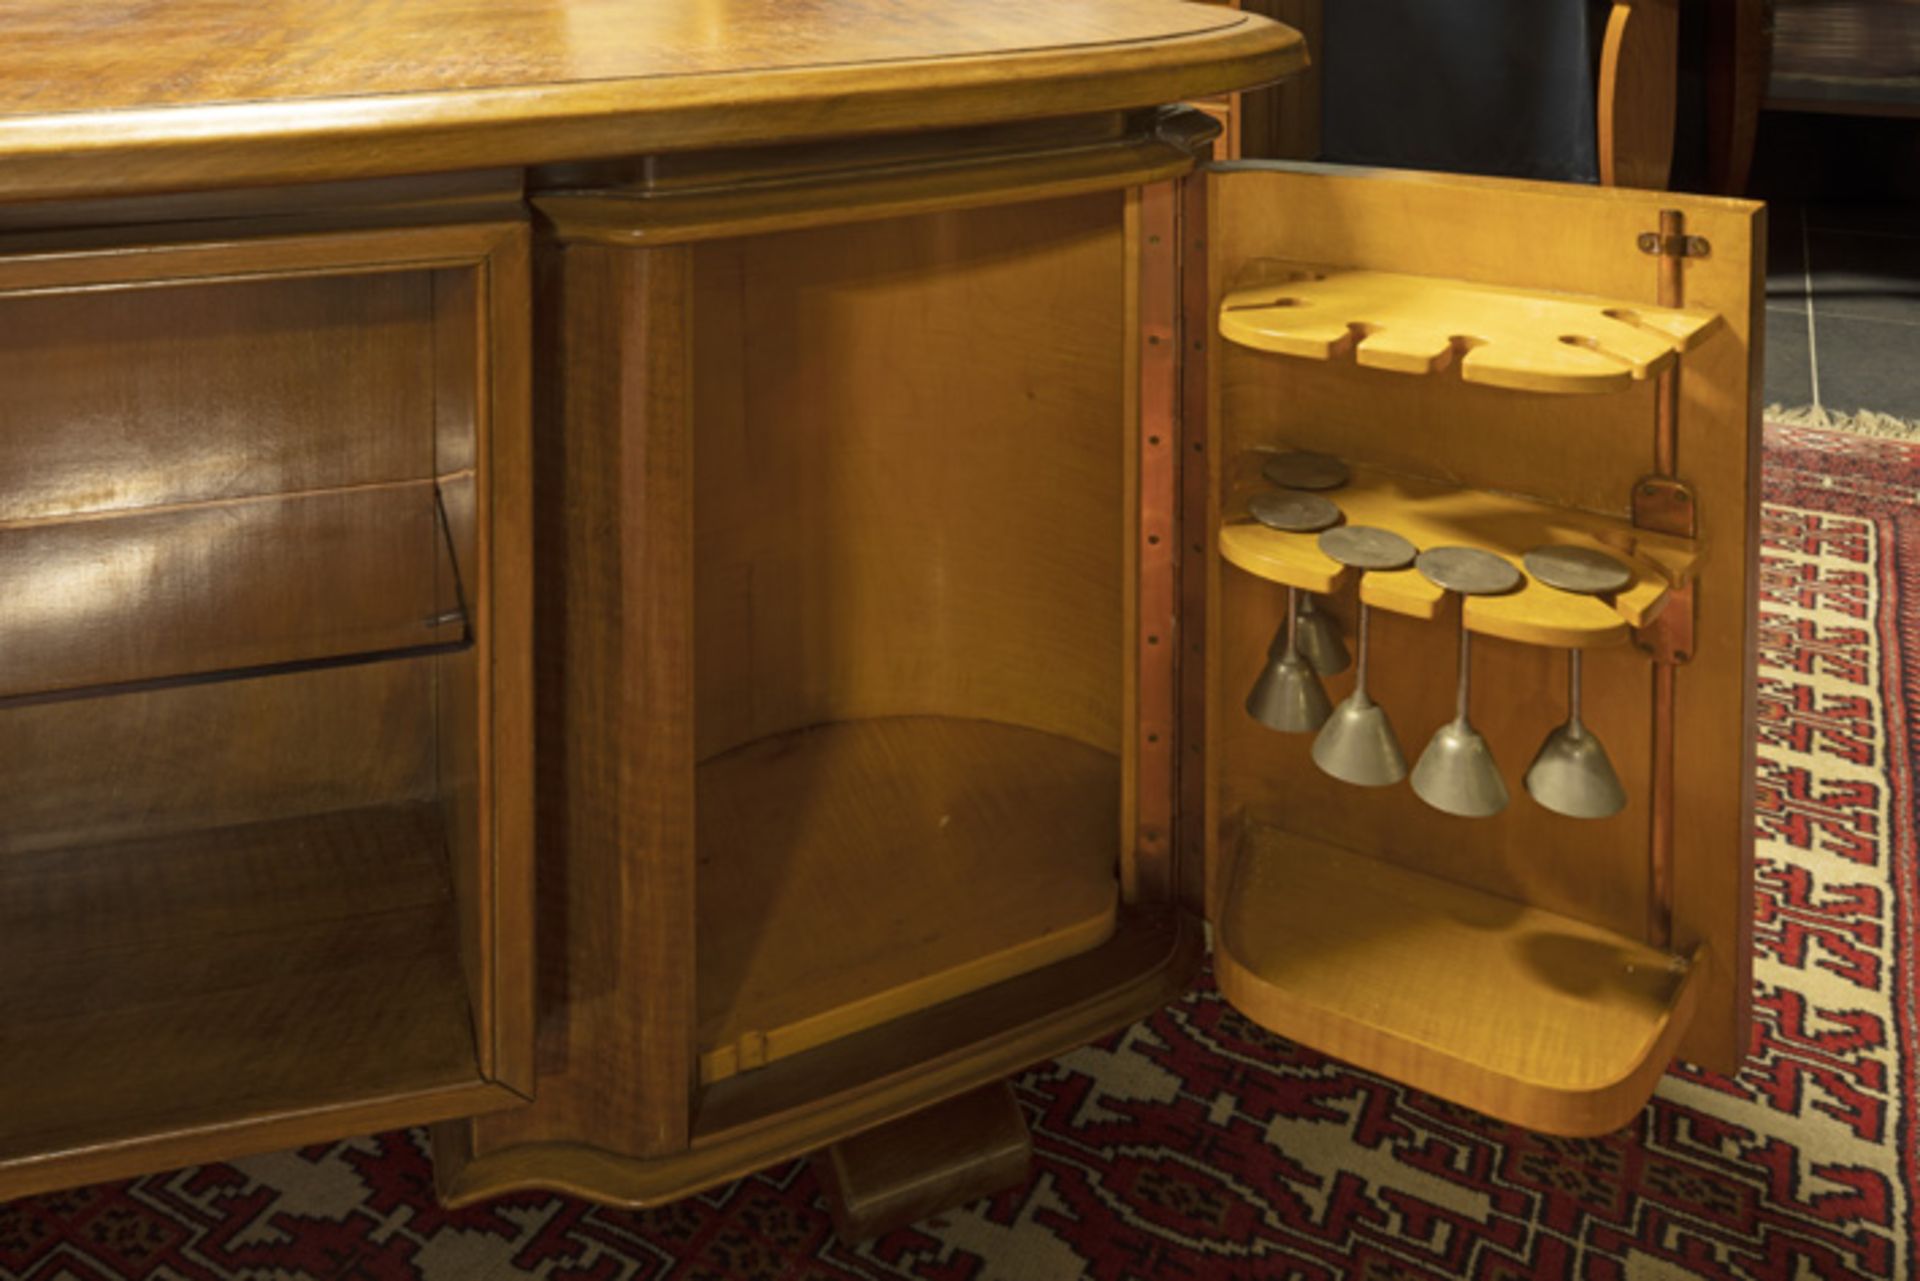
x=1674, y=246
x=1664, y=505
x=1668, y=638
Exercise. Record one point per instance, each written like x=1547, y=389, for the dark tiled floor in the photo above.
x=1843, y=308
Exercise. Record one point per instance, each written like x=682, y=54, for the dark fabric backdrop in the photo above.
x=1472, y=86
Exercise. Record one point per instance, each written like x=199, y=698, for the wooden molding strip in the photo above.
x=71, y=153
x=639, y=216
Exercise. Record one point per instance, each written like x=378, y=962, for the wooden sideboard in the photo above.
x=662, y=586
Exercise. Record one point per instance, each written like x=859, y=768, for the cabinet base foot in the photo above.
x=948, y=1155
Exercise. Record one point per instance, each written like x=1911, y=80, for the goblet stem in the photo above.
x=1465, y=692
x=1574, y=728
x=1360, y=641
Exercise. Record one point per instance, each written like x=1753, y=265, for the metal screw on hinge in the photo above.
x=1650, y=242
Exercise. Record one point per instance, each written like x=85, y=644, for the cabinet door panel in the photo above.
x=1419, y=373
x=265, y=695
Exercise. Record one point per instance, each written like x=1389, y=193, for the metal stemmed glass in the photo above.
x=1571, y=773
x=1357, y=744
x=1316, y=632
x=1288, y=696
x=1457, y=773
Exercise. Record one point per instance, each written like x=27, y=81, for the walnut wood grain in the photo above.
x=850, y=557
x=107, y=404
x=240, y=911
x=203, y=93
x=99, y=599
x=273, y=983
x=614, y=607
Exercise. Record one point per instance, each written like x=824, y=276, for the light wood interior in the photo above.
x=242, y=716
x=1532, y=1016
x=1502, y=454
x=860, y=870
x=1437, y=515
x=908, y=586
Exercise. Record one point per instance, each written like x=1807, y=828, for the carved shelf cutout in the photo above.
x=1525, y=1015
x=1430, y=514
x=1514, y=338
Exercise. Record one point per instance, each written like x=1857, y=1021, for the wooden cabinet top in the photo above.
x=155, y=95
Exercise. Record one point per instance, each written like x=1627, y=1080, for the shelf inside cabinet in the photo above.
x=1526, y=340
x=854, y=872
x=1431, y=514
x=1523, y=1014
x=216, y=981
x=106, y=602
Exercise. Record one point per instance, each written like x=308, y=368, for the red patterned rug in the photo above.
x=1194, y=1145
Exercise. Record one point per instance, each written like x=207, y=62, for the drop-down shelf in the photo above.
x=1430, y=514
x=1515, y=338
x=1530, y=1016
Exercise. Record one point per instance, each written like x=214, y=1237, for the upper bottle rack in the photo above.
x=1520, y=339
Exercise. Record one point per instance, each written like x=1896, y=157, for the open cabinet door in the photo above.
x=1503, y=366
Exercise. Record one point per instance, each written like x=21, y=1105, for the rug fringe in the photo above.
x=1866, y=422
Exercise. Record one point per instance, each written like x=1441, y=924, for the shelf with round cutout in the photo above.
x=1431, y=514
x=1525, y=1014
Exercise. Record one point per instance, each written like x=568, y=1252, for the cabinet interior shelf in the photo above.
x=1526, y=340
x=854, y=872
x=113, y=602
x=1521, y=1013
x=289, y=979
x=1430, y=514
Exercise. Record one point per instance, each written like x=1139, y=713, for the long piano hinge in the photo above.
x=1158, y=638
x=1666, y=506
